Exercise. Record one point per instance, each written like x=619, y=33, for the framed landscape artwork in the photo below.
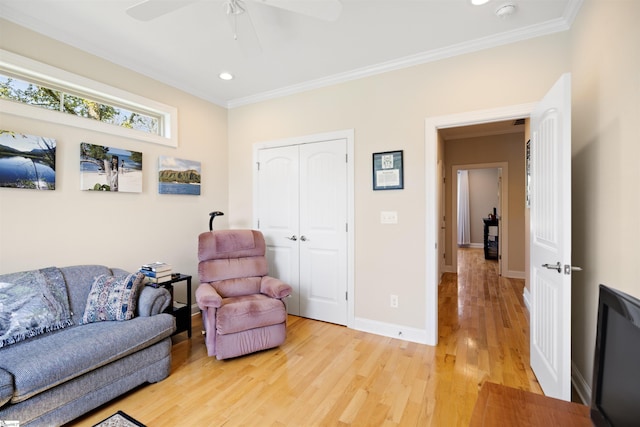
x=178, y=176
x=27, y=161
x=110, y=169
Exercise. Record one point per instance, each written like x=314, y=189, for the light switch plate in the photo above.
x=388, y=217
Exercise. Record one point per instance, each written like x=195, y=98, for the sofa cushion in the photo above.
x=52, y=359
x=113, y=298
x=6, y=386
x=249, y=312
x=79, y=279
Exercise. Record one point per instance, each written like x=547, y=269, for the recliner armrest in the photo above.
x=207, y=296
x=274, y=288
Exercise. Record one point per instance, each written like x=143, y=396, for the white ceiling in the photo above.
x=188, y=47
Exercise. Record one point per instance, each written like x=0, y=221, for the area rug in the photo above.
x=120, y=419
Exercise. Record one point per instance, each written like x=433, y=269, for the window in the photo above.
x=36, y=90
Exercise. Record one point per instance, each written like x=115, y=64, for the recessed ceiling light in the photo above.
x=225, y=76
x=479, y=2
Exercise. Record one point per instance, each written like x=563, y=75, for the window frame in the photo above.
x=49, y=76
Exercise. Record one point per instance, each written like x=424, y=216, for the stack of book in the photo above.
x=156, y=272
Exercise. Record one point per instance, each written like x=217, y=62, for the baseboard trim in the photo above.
x=391, y=330
x=582, y=388
x=515, y=274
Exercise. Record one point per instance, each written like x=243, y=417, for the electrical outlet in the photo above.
x=393, y=301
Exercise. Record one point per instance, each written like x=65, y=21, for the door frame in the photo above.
x=349, y=136
x=432, y=155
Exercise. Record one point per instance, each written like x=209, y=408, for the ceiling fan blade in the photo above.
x=152, y=9
x=327, y=10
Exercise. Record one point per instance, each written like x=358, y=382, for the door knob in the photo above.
x=569, y=268
x=556, y=266
x=302, y=238
x=294, y=238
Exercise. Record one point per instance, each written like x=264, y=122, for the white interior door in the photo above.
x=303, y=215
x=550, y=242
x=278, y=215
x=323, y=233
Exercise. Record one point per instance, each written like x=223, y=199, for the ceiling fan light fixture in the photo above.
x=225, y=75
x=234, y=7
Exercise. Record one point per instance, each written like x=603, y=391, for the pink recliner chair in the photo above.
x=242, y=308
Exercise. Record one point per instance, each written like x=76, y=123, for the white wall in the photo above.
x=68, y=226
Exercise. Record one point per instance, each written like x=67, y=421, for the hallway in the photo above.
x=484, y=324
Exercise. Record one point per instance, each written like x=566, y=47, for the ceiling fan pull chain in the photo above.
x=235, y=26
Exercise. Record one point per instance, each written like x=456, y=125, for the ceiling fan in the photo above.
x=238, y=16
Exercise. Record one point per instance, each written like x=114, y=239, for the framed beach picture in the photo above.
x=388, y=171
x=178, y=176
x=27, y=161
x=110, y=169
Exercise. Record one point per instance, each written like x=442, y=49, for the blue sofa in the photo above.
x=65, y=371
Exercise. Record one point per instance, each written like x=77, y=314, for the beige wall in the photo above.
x=605, y=60
x=388, y=112
x=507, y=148
x=68, y=226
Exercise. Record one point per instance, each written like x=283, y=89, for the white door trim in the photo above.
x=349, y=135
x=432, y=124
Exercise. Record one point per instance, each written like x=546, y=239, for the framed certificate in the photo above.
x=387, y=171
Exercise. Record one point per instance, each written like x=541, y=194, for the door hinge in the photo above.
x=346, y=158
x=258, y=165
x=346, y=296
x=258, y=224
x=346, y=227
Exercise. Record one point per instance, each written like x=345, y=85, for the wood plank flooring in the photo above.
x=328, y=375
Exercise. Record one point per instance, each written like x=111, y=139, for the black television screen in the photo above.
x=615, y=395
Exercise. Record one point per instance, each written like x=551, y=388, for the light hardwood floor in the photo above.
x=328, y=375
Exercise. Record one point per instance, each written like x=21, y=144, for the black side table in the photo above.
x=182, y=313
x=490, y=240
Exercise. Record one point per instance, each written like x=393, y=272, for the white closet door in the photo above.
x=278, y=215
x=323, y=233
x=302, y=212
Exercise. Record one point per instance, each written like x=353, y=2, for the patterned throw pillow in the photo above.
x=113, y=298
